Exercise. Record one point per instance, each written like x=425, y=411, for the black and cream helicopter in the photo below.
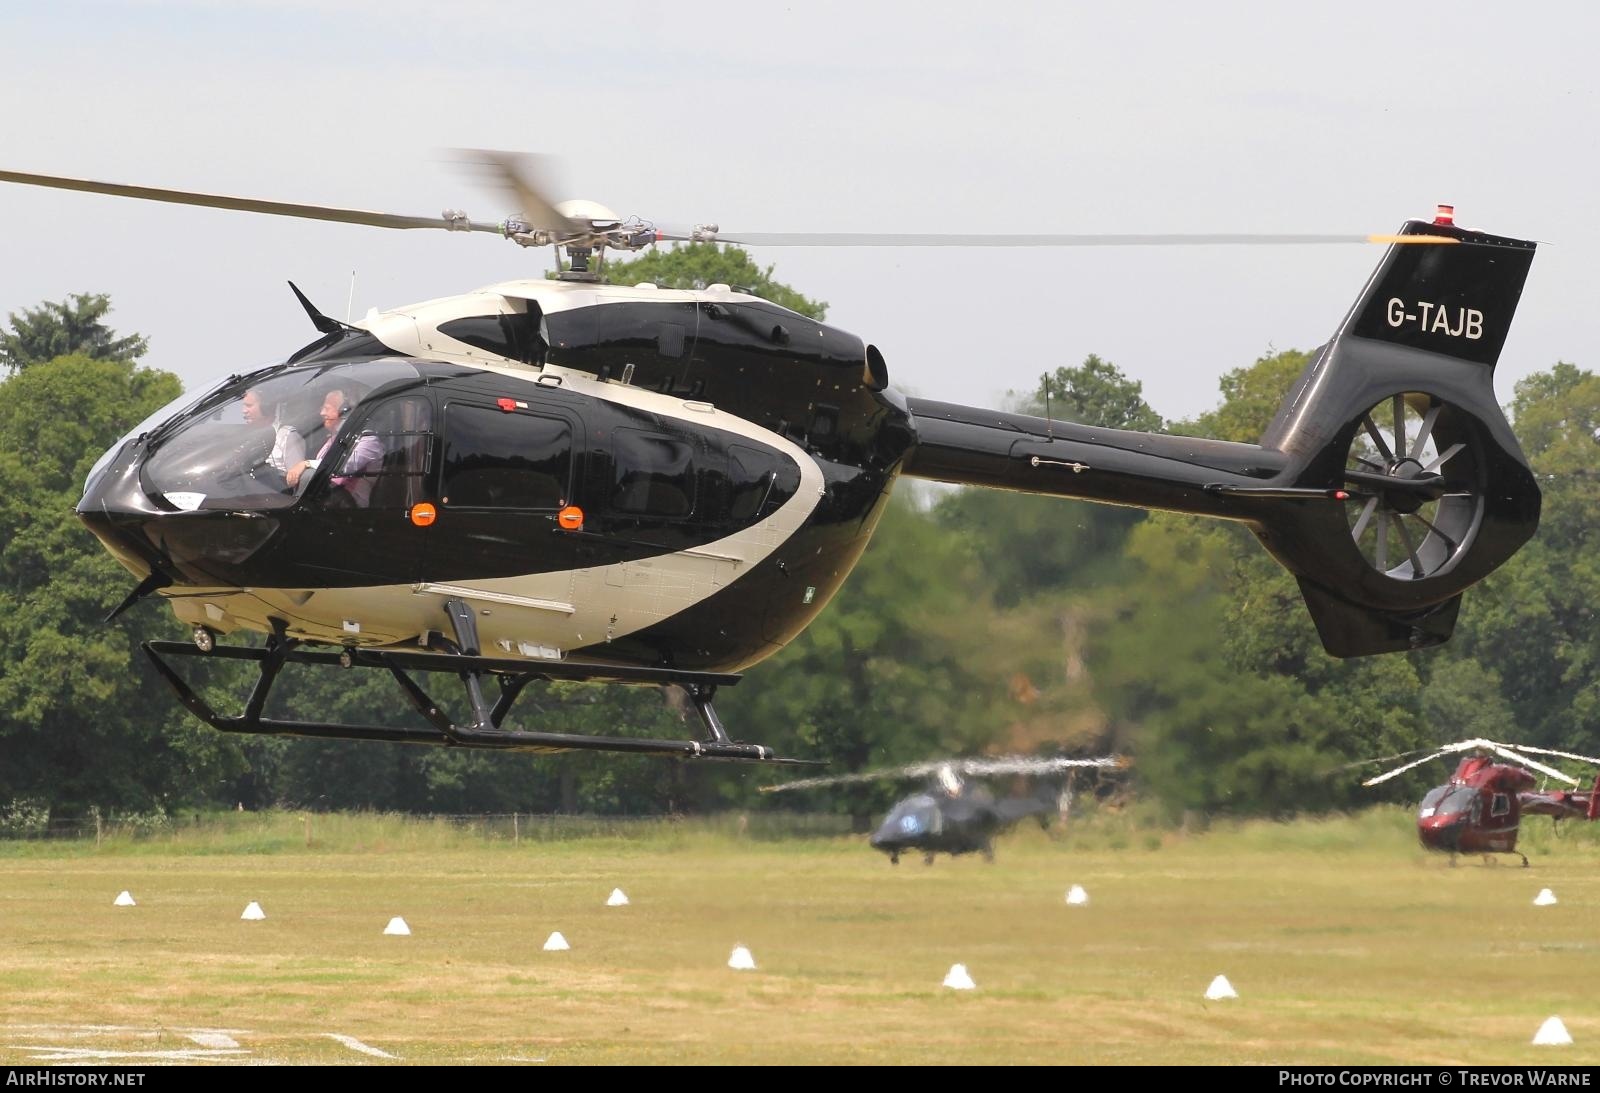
x=955, y=815
x=562, y=479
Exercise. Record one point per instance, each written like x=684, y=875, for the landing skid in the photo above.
x=1490, y=859
x=463, y=662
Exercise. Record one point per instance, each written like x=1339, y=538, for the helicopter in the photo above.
x=1480, y=809
x=954, y=816
x=649, y=486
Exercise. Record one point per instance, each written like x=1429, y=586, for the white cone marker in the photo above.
x=555, y=943
x=1545, y=898
x=124, y=900
x=253, y=913
x=616, y=899
x=1076, y=895
x=1221, y=988
x=741, y=958
x=957, y=978
x=397, y=925
x=1552, y=1032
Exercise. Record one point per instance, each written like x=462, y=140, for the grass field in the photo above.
x=1346, y=945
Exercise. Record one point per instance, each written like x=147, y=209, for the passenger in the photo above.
x=353, y=483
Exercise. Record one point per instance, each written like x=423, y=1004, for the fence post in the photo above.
x=516, y=829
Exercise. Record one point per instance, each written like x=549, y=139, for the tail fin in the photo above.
x=1389, y=481
x=1398, y=411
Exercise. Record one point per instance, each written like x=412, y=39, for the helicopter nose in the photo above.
x=184, y=546
x=1441, y=833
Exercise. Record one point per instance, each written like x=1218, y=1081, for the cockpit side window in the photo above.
x=383, y=457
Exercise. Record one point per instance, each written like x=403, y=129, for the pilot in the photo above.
x=353, y=484
x=288, y=446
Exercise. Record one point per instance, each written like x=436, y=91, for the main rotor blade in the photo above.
x=1552, y=751
x=1384, y=777
x=1512, y=752
x=1027, y=765
x=1518, y=757
x=1436, y=753
x=522, y=178
x=249, y=204
x=1020, y=764
x=1041, y=239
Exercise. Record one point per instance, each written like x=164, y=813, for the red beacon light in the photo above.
x=1445, y=214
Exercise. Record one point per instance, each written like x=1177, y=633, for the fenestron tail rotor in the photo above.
x=1414, y=487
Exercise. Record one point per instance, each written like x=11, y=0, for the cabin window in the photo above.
x=653, y=474
x=493, y=459
x=396, y=434
x=1501, y=806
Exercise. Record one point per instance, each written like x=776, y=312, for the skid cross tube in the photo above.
x=484, y=732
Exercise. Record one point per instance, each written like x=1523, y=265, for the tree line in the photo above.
x=977, y=622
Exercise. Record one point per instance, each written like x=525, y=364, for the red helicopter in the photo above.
x=1479, y=810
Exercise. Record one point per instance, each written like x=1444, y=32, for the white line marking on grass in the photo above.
x=356, y=1045
x=213, y=1039
x=76, y=1054
x=135, y=1030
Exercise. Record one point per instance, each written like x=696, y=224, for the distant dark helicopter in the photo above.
x=560, y=479
x=955, y=816
x=1479, y=810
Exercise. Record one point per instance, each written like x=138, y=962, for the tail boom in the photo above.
x=1388, y=482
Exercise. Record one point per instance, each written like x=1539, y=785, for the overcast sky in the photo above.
x=1345, y=117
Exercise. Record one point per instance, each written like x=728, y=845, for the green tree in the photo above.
x=82, y=721
x=1531, y=623
x=696, y=265
x=1030, y=544
x=1215, y=671
x=1095, y=393
x=73, y=326
x=885, y=674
